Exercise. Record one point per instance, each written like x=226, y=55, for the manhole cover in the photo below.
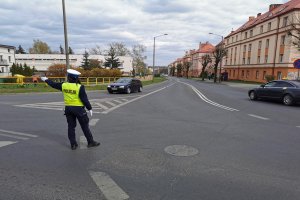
x=181, y=150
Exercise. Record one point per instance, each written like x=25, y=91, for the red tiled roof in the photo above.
x=205, y=48
x=280, y=10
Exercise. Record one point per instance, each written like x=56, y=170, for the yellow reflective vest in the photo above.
x=71, y=94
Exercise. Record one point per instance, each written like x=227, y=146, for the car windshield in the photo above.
x=123, y=80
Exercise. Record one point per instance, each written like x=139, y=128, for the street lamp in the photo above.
x=66, y=35
x=154, y=52
x=221, y=57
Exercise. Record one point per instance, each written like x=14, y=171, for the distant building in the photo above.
x=41, y=62
x=7, y=58
x=262, y=46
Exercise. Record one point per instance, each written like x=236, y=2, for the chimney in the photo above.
x=200, y=44
x=251, y=18
x=273, y=6
x=258, y=14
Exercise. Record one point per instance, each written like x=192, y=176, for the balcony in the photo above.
x=3, y=62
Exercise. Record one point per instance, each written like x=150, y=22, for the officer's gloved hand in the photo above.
x=44, y=78
x=91, y=112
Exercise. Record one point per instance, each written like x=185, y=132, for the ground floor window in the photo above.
x=264, y=75
x=247, y=74
x=233, y=73
x=242, y=73
x=279, y=75
x=257, y=74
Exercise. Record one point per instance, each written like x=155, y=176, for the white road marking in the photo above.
x=204, y=98
x=93, y=122
x=259, y=117
x=110, y=103
x=18, y=133
x=108, y=186
x=82, y=142
x=124, y=99
x=117, y=101
x=102, y=106
x=5, y=143
x=132, y=100
x=298, y=126
x=13, y=136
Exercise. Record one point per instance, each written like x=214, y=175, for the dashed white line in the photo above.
x=102, y=106
x=117, y=101
x=108, y=186
x=259, y=117
x=13, y=136
x=93, y=122
x=18, y=133
x=5, y=143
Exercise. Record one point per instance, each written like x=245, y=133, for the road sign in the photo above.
x=297, y=63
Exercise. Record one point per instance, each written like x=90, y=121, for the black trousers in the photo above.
x=77, y=112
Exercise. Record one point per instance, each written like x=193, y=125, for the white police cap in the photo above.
x=73, y=72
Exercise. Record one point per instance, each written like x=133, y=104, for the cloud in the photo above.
x=92, y=22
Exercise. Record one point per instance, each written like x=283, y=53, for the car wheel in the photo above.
x=288, y=100
x=252, y=95
x=128, y=90
x=140, y=89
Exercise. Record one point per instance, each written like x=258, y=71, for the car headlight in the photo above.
x=108, y=86
x=122, y=86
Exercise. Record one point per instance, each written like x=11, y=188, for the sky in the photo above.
x=101, y=22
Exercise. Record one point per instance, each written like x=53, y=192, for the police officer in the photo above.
x=76, y=100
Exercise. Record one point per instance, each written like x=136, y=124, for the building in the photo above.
x=263, y=46
x=7, y=58
x=41, y=62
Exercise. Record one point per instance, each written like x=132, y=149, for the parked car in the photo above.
x=287, y=91
x=125, y=85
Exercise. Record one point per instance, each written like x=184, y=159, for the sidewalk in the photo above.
x=231, y=84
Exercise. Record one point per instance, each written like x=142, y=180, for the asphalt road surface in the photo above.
x=177, y=140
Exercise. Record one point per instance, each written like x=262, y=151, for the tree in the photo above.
x=112, y=61
x=57, y=70
x=96, y=51
x=119, y=48
x=179, y=68
x=94, y=63
x=39, y=47
x=138, y=62
x=20, y=50
x=205, y=60
x=22, y=70
x=186, y=67
x=61, y=50
x=71, y=50
x=218, y=55
x=85, y=62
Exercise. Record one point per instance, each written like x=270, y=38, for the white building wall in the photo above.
x=7, y=58
x=41, y=62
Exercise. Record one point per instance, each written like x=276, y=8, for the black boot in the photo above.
x=93, y=144
x=74, y=146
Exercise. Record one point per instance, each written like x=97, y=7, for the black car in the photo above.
x=287, y=91
x=126, y=85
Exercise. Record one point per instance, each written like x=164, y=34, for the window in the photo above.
x=261, y=29
x=246, y=35
x=2, y=69
x=266, y=59
x=8, y=50
x=251, y=33
x=271, y=84
x=264, y=75
x=279, y=74
x=283, y=84
x=1, y=58
x=269, y=26
x=234, y=73
x=245, y=47
x=257, y=74
x=259, y=44
x=9, y=58
x=267, y=43
x=244, y=61
x=250, y=46
x=285, y=21
x=282, y=40
x=243, y=73
x=281, y=58
x=258, y=59
x=232, y=39
x=248, y=61
x=236, y=38
x=247, y=74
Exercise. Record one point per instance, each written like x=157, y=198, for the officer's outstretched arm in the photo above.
x=57, y=86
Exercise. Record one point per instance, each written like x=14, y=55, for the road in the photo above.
x=177, y=140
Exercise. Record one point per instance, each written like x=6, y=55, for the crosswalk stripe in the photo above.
x=101, y=106
x=124, y=99
x=110, y=103
x=13, y=136
x=118, y=101
x=5, y=143
x=82, y=142
x=18, y=133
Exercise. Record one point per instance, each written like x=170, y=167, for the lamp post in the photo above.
x=221, y=57
x=66, y=35
x=154, y=52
